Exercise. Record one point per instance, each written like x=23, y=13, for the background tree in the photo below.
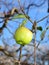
x=33, y=15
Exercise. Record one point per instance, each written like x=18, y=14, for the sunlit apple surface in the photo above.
x=23, y=35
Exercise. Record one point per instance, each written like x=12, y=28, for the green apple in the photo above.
x=23, y=35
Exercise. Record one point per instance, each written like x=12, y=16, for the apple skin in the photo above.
x=23, y=35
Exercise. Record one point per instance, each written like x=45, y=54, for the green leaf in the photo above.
x=19, y=16
x=43, y=34
x=39, y=28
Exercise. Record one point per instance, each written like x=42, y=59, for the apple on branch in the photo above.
x=23, y=35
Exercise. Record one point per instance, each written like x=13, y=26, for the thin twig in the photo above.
x=9, y=30
x=43, y=18
x=20, y=55
x=19, y=4
x=36, y=5
x=35, y=28
x=35, y=50
x=5, y=52
x=38, y=44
